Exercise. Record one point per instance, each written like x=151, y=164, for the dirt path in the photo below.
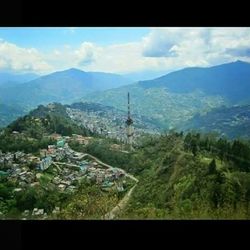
x=120, y=206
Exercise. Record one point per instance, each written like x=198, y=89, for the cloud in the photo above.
x=197, y=46
x=161, y=42
x=14, y=58
x=86, y=54
x=161, y=49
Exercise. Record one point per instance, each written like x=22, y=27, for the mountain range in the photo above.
x=64, y=86
x=7, y=79
x=176, y=97
x=231, y=80
x=169, y=101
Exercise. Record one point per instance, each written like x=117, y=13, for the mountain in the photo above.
x=45, y=120
x=9, y=113
x=64, y=86
x=145, y=75
x=231, y=80
x=176, y=97
x=233, y=122
x=79, y=118
x=7, y=79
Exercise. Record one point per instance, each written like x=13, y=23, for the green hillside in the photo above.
x=35, y=126
x=192, y=177
x=232, y=122
x=167, y=109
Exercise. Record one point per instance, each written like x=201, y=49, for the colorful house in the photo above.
x=60, y=143
x=45, y=163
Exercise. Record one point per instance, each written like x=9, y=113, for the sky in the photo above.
x=120, y=50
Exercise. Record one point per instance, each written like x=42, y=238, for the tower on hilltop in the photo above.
x=129, y=123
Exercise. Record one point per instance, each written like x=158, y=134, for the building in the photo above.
x=45, y=163
x=60, y=143
x=81, y=139
x=55, y=136
x=51, y=149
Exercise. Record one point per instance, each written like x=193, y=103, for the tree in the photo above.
x=212, y=167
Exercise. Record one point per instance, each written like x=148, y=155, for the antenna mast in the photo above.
x=129, y=123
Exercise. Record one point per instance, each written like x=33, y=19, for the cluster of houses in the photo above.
x=109, y=123
x=38, y=213
x=107, y=178
x=74, y=171
x=69, y=168
x=17, y=168
x=75, y=137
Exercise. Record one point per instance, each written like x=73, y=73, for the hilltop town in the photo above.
x=108, y=121
x=58, y=167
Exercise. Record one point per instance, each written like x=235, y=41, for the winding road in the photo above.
x=121, y=205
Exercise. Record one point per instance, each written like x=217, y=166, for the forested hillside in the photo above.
x=232, y=122
x=34, y=127
x=192, y=176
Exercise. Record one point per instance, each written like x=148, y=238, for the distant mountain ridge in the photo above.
x=231, y=80
x=169, y=101
x=63, y=86
x=7, y=79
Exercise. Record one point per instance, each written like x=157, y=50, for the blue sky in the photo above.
x=46, y=39
x=120, y=50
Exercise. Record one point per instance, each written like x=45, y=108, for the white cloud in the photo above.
x=86, y=54
x=174, y=48
x=198, y=46
x=162, y=49
x=16, y=58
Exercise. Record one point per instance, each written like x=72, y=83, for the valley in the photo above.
x=65, y=151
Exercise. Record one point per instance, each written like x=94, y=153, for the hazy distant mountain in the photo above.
x=232, y=122
x=145, y=75
x=176, y=97
x=9, y=113
x=7, y=79
x=64, y=86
